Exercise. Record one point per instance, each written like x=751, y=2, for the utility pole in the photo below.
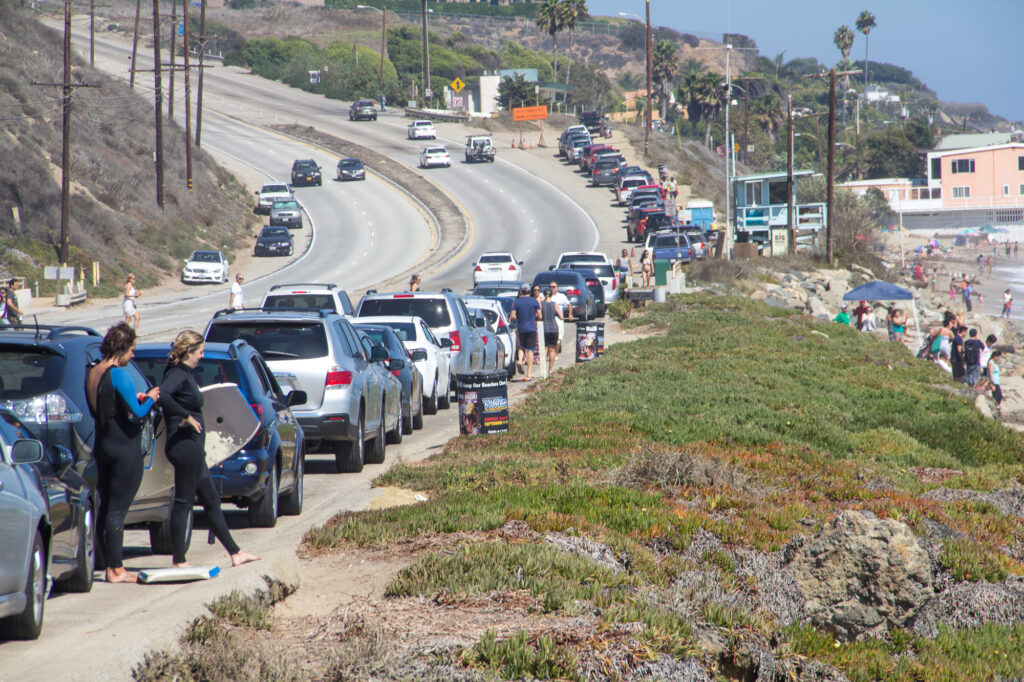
x=383, y=44
x=202, y=52
x=728, y=151
x=790, y=218
x=829, y=191
x=170, y=52
x=65, y=152
x=188, y=101
x=159, y=94
x=647, y=45
x=92, y=32
x=135, y=43
x=746, y=110
x=426, y=53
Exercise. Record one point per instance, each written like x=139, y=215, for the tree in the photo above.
x=549, y=20
x=767, y=113
x=865, y=22
x=514, y=92
x=889, y=153
x=689, y=95
x=664, y=66
x=843, y=39
x=572, y=12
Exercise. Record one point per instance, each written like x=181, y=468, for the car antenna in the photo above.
x=35, y=318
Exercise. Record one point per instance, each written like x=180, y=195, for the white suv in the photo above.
x=580, y=257
x=422, y=130
x=308, y=297
x=497, y=266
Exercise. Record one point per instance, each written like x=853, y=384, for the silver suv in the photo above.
x=286, y=212
x=350, y=397
x=446, y=315
x=308, y=296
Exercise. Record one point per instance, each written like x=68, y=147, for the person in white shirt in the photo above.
x=237, y=300
x=563, y=303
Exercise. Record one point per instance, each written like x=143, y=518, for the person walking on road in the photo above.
x=131, y=312
x=118, y=451
x=11, y=313
x=236, y=301
x=625, y=267
x=182, y=403
x=552, y=317
x=526, y=312
x=563, y=303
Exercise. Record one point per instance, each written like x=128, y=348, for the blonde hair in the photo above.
x=184, y=343
x=128, y=279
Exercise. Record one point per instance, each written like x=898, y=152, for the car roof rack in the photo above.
x=321, y=312
x=54, y=331
x=304, y=284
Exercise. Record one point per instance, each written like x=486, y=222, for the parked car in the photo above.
x=274, y=240
x=646, y=218
x=287, y=213
x=320, y=354
x=402, y=367
x=594, y=284
x=25, y=536
x=579, y=257
x=574, y=285
x=593, y=120
x=575, y=146
x=498, y=323
x=637, y=170
x=392, y=431
x=430, y=355
x=605, y=274
x=606, y=172
x=674, y=246
x=264, y=477
x=497, y=266
x=351, y=169
x=271, y=192
x=491, y=288
x=205, y=267
x=565, y=137
x=431, y=157
x=494, y=350
x=422, y=130
x=447, y=316
x=308, y=297
x=306, y=172
x=42, y=383
x=625, y=186
x=362, y=110
x=588, y=153
x=698, y=241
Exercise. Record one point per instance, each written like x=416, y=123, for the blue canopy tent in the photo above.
x=883, y=291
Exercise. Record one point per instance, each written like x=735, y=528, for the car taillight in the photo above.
x=511, y=268
x=336, y=378
x=484, y=337
x=258, y=409
x=615, y=283
x=477, y=269
x=572, y=292
x=42, y=409
x=456, y=338
x=501, y=327
x=395, y=372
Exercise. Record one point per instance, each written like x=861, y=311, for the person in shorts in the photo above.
x=993, y=377
x=526, y=312
x=552, y=315
x=562, y=302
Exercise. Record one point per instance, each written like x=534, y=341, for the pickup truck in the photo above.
x=271, y=192
x=673, y=247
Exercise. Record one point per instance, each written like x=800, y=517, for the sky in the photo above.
x=966, y=51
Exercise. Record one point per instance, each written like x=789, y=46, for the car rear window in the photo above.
x=596, y=269
x=301, y=301
x=405, y=331
x=496, y=258
x=604, y=164
x=275, y=340
x=669, y=241
x=210, y=371
x=583, y=258
x=491, y=291
x=375, y=335
x=544, y=278
x=433, y=310
x=26, y=373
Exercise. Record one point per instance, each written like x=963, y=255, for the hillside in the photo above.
x=114, y=216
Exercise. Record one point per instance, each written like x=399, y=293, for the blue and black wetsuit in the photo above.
x=118, y=455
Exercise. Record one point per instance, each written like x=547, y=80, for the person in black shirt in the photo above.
x=956, y=354
x=182, y=402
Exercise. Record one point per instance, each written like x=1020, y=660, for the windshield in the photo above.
x=561, y=278
x=598, y=269
x=275, y=340
x=302, y=301
x=378, y=336
x=405, y=331
x=350, y=163
x=26, y=373
x=489, y=290
x=284, y=205
x=274, y=232
x=306, y=165
x=274, y=189
x=433, y=310
x=496, y=258
x=205, y=257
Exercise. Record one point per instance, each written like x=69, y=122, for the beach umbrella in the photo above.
x=987, y=229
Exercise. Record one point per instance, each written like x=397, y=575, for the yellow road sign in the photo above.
x=457, y=85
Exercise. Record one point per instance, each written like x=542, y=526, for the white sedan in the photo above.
x=431, y=356
x=205, y=267
x=422, y=130
x=435, y=156
x=497, y=266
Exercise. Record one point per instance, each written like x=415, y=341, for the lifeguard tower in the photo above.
x=760, y=213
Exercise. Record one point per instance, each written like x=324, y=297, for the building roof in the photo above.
x=968, y=140
x=972, y=150
x=778, y=175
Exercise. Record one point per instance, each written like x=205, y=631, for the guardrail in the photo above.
x=437, y=115
x=73, y=294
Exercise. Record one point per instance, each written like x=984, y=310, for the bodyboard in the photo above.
x=230, y=422
x=178, y=575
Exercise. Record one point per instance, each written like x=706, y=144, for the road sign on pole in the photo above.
x=457, y=85
x=429, y=93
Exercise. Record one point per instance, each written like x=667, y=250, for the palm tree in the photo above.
x=549, y=20
x=689, y=94
x=767, y=112
x=572, y=12
x=843, y=39
x=711, y=92
x=866, y=22
x=664, y=66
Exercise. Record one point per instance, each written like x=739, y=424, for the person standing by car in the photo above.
x=414, y=283
x=526, y=312
x=237, y=299
x=118, y=451
x=131, y=312
x=182, y=402
x=561, y=301
x=552, y=317
x=3, y=308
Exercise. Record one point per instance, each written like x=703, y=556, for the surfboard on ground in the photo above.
x=230, y=422
x=178, y=575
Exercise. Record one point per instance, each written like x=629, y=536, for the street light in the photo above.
x=383, y=45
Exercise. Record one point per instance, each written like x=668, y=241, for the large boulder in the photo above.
x=862, y=575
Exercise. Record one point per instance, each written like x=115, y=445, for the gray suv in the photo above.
x=349, y=397
x=446, y=315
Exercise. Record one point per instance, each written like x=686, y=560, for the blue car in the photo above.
x=401, y=364
x=266, y=475
x=675, y=246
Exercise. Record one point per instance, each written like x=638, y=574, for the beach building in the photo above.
x=760, y=213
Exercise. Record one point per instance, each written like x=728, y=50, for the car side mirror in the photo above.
x=551, y=267
x=447, y=343
x=27, y=451
x=379, y=354
x=62, y=459
x=257, y=192
x=419, y=355
x=396, y=363
x=295, y=398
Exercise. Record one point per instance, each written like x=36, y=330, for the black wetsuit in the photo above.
x=180, y=397
x=118, y=454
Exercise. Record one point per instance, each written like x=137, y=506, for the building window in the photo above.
x=936, y=193
x=1006, y=190
x=963, y=165
x=961, y=192
x=936, y=168
x=1009, y=216
x=1020, y=163
x=1022, y=190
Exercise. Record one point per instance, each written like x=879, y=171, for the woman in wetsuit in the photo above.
x=182, y=402
x=117, y=409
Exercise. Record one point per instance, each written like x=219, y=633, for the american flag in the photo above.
x=721, y=150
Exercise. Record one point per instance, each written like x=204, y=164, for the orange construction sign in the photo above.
x=530, y=113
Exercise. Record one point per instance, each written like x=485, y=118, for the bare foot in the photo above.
x=120, y=575
x=243, y=558
x=183, y=564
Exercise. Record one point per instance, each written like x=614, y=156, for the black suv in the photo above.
x=362, y=109
x=306, y=172
x=593, y=120
x=42, y=383
x=274, y=240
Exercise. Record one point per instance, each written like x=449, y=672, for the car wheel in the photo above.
x=408, y=419
x=350, y=455
x=263, y=512
x=160, y=535
x=379, y=448
x=417, y=419
x=394, y=436
x=291, y=505
x=29, y=623
x=430, y=404
x=81, y=579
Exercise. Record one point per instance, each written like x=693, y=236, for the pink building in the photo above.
x=968, y=185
